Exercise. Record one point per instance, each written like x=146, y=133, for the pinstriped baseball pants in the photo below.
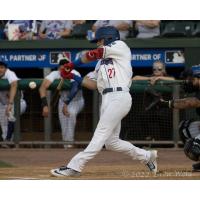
x=3, y=120
x=68, y=123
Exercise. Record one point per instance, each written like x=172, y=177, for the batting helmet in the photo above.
x=196, y=71
x=108, y=33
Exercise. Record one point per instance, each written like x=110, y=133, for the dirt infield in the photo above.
x=36, y=163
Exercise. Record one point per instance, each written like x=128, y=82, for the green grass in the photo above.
x=4, y=164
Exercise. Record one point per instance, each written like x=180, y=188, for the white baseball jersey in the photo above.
x=114, y=70
x=11, y=77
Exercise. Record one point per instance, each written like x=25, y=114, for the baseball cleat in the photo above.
x=196, y=167
x=152, y=164
x=64, y=171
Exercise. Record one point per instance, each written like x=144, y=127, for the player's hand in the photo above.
x=69, y=66
x=8, y=109
x=153, y=80
x=45, y=111
x=66, y=74
x=65, y=110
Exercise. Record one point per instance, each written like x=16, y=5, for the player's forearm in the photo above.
x=43, y=88
x=167, y=78
x=89, y=84
x=189, y=102
x=12, y=93
x=43, y=92
x=141, y=78
x=72, y=92
x=89, y=56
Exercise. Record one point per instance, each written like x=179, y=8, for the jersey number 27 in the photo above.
x=111, y=72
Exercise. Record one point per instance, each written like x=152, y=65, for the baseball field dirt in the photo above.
x=36, y=163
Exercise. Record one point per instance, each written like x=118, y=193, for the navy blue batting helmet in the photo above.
x=196, y=71
x=108, y=33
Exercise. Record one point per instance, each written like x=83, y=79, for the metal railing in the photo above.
x=138, y=86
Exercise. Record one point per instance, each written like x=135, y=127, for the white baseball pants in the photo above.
x=68, y=123
x=115, y=106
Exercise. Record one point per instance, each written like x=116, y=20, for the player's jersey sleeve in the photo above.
x=10, y=76
x=76, y=72
x=53, y=75
x=117, y=50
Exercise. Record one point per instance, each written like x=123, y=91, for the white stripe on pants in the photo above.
x=68, y=123
x=115, y=106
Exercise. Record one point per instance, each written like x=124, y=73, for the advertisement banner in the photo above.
x=50, y=57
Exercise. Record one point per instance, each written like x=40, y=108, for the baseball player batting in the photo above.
x=112, y=77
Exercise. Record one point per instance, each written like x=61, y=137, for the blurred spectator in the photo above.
x=122, y=25
x=76, y=22
x=21, y=29
x=147, y=28
x=55, y=29
x=159, y=73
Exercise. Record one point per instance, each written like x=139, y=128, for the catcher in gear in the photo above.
x=189, y=130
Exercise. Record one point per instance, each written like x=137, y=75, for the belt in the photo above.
x=107, y=90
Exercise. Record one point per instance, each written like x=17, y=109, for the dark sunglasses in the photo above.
x=157, y=69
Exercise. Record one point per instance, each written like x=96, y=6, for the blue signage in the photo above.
x=146, y=57
x=50, y=57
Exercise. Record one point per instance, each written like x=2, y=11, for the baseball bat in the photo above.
x=56, y=94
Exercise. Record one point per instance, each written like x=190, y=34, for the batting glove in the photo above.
x=68, y=67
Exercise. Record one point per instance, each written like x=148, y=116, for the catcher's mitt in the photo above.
x=192, y=149
x=151, y=99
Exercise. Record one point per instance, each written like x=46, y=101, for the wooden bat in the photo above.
x=56, y=93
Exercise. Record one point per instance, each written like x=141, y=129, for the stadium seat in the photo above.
x=196, y=32
x=80, y=30
x=178, y=29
